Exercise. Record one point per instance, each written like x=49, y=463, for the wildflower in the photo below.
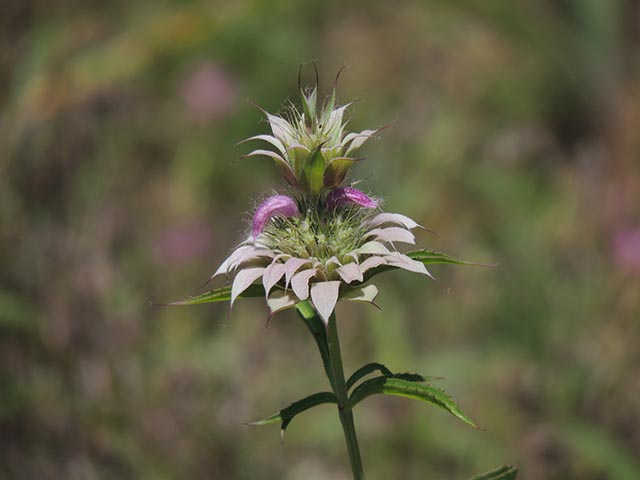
x=323, y=244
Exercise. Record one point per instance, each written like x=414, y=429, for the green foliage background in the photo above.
x=515, y=136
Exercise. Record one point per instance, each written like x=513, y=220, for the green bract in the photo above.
x=312, y=150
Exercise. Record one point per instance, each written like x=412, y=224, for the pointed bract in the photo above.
x=243, y=280
x=350, y=272
x=300, y=283
x=394, y=219
x=324, y=296
x=272, y=275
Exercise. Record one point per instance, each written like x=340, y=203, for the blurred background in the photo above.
x=515, y=136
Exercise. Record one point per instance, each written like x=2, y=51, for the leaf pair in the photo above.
x=409, y=385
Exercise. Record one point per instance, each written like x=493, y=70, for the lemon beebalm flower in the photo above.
x=321, y=255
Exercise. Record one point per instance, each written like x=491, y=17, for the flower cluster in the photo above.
x=321, y=244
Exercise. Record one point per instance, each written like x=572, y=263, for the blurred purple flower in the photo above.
x=208, y=92
x=278, y=205
x=626, y=249
x=345, y=195
x=182, y=243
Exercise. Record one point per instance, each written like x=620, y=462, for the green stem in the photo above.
x=336, y=376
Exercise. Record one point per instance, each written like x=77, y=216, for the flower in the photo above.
x=322, y=255
x=278, y=205
x=325, y=243
x=346, y=195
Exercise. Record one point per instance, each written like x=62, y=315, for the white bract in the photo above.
x=304, y=266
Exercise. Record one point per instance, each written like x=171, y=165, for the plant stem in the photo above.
x=340, y=389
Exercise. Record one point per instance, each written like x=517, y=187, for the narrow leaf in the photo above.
x=373, y=367
x=287, y=414
x=429, y=257
x=409, y=389
x=426, y=257
x=506, y=472
x=222, y=294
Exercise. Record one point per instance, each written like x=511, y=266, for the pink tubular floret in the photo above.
x=276, y=206
x=346, y=195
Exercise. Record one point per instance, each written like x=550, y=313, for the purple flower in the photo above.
x=277, y=205
x=346, y=195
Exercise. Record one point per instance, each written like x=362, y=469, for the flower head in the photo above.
x=310, y=146
x=324, y=244
x=322, y=254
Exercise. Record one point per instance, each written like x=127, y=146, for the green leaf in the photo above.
x=314, y=171
x=366, y=370
x=378, y=367
x=286, y=415
x=430, y=257
x=427, y=257
x=218, y=295
x=410, y=389
x=506, y=472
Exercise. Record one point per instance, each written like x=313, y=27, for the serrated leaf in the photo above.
x=378, y=367
x=222, y=294
x=506, y=472
x=410, y=389
x=366, y=370
x=287, y=414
